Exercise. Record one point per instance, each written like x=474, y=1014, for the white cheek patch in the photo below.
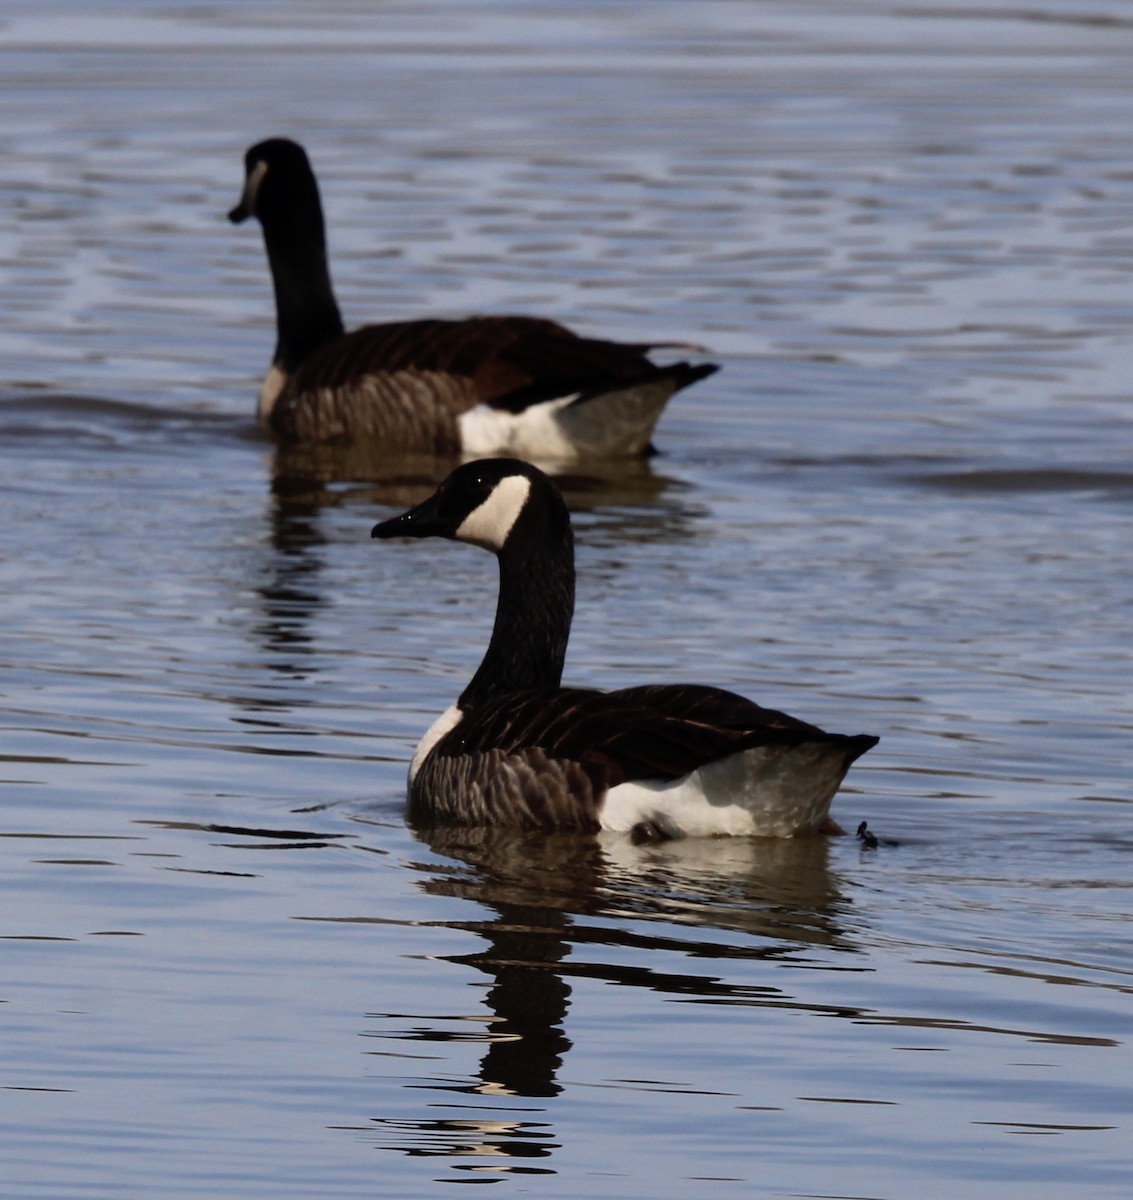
x=490, y=523
x=252, y=186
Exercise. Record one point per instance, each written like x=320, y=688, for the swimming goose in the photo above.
x=484, y=385
x=659, y=761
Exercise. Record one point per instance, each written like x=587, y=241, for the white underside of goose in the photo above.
x=274, y=382
x=767, y=791
x=613, y=424
x=448, y=720
x=533, y=433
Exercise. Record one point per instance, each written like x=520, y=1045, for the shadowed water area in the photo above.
x=902, y=507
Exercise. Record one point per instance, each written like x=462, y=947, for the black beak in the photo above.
x=420, y=522
x=241, y=212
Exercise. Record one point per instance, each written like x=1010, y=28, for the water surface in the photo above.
x=902, y=508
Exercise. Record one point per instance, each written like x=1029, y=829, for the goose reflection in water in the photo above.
x=288, y=590
x=330, y=474
x=546, y=896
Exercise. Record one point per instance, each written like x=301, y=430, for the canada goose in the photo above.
x=483, y=385
x=658, y=761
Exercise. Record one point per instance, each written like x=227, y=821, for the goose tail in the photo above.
x=779, y=788
x=618, y=420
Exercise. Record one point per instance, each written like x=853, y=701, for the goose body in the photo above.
x=657, y=761
x=489, y=384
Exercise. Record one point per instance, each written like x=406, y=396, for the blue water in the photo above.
x=902, y=507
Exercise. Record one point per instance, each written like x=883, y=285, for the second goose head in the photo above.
x=280, y=191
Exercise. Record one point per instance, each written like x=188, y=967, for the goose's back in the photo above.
x=407, y=382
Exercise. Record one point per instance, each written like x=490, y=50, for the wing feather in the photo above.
x=513, y=361
x=652, y=732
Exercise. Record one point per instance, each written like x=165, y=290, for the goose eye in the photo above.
x=482, y=487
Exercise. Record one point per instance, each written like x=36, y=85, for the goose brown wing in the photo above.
x=703, y=704
x=683, y=726
x=705, y=713
x=654, y=732
x=511, y=361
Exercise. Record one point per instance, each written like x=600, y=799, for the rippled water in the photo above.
x=903, y=507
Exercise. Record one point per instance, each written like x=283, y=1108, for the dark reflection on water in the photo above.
x=558, y=908
x=550, y=897
x=289, y=592
x=333, y=474
x=471, y=1137
x=266, y=838
x=778, y=890
x=557, y=912
x=535, y=887
x=1031, y=479
x=318, y=476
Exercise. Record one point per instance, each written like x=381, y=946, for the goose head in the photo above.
x=514, y=510
x=500, y=504
x=279, y=188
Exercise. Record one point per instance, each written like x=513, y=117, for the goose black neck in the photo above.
x=533, y=616
x=306, y=312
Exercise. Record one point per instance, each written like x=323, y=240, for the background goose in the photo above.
x=662, y=760
x=483, y=385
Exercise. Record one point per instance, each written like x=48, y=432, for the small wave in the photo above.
x=34, y=417
x=1029, y=479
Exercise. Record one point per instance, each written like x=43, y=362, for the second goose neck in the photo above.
x=307, y=314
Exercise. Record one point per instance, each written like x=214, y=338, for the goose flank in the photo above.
x=482, y=385
x=655, y=761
